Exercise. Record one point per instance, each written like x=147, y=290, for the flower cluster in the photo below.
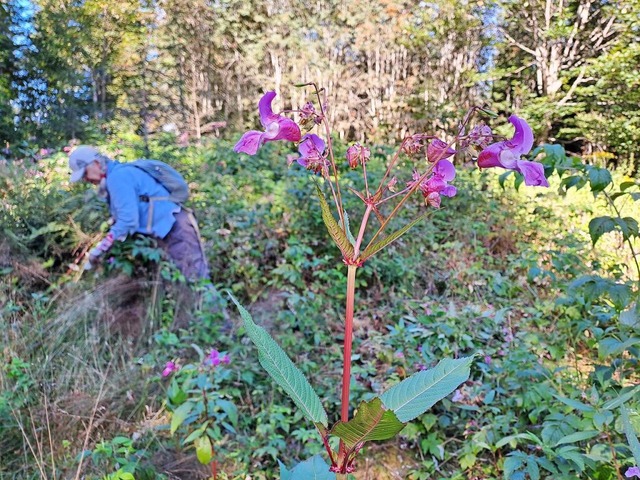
x=213, y=359
x=433, y=183
x=436, y=184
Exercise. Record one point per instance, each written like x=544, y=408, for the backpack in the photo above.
x=166, y=176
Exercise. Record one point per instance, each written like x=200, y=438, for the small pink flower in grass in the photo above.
x=276, y=127
x=438, y=150
x=632, y=472
x=357, y=155
x=169, y=368
x=214, y=359
x=311, y=150
x=507, y=154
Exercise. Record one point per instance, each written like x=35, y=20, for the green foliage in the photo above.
x=511, y=276
x=337, y=234
x=315, y=468
x=416, y=394
x=372, y=421
x=277, y=364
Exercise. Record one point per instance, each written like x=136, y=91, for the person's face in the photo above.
x=93, y=173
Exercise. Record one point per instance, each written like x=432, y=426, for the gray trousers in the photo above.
x=184, y=246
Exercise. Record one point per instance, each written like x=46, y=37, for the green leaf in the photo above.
x=578, y=437
x=371, y=422
x=277, y=364
x=375, y=248
x=627, y=185
x=230, y=409
x=285, y=474
x=513, y=439
x=575, y=404
x=576, y=181
x=630, y=433
x=180, y=415
x=616, y=402
x=612, y=346
x=532, y=468
x=503, y=178
x=628, y=226
x=511, y=465
x=347, y=228
x=631, y=316
x=313, y=469
x=599, y=178
x=196, y=433
x=416, y=394
x=204, y=450
x=333, y=228
x=599, y=226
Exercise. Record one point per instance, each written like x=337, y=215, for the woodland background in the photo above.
x=93, y=69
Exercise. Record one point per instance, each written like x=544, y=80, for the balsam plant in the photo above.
x=385, y=415
x=200, y=415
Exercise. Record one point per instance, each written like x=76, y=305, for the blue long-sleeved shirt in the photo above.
x=125, y=185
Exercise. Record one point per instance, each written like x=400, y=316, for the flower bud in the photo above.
x=438, y=150
x=357, y=154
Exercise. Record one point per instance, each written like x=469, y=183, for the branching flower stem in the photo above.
x=337, y=197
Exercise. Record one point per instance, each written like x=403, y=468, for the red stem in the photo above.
x=348, y=340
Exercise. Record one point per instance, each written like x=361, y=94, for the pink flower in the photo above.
x=308, y=114
x=169, y=368
x=311, y=149
x=276, y=127
x=632, y=472
x=357, y=155
x=507, y=154
x=438, y=150
x=214, y=359
x=437, y=184
x=412, y=144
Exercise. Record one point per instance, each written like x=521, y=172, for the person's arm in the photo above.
x=124, y=208
x=123, y=204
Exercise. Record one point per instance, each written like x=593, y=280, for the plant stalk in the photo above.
x=348, y=340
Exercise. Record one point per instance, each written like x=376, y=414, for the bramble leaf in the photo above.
x=598, y=226
x=371, y=422
x=280, y=367
x=333, y=228
x=375, y=248
x=416, y=394
x=599, y=178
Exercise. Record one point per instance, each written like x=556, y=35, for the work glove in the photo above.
x=96, y=252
